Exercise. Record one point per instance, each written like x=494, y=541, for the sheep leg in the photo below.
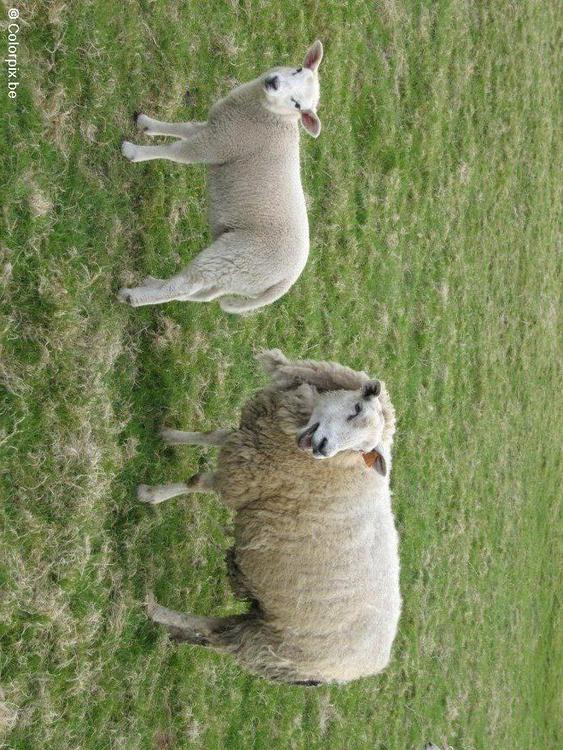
x=208, y=276
x=181, y=130
x=158, y=493
x=155, y=291
x=178, y=437
x=201, y=631
x=195, y=148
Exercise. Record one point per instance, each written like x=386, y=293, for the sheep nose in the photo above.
x=320, y=448
x=272, y=82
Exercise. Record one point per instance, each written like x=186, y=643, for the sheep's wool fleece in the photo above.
x=315, y=545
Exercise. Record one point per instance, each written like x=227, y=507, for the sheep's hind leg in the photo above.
x=179, y=437
x=202, y=280
x=201, y=631
x=155, y=291
x=158, y=493
x=152, y=127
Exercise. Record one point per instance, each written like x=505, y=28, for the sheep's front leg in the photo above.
x=179, y=437
x=198, y=147
x=158, y=493
x=151, y=127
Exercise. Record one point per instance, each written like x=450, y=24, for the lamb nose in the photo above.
x=272, y=82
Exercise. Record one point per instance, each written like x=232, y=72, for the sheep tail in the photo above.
x=238, y=305
x=325, y=376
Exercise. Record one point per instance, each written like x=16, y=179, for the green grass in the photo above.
x=434, y=196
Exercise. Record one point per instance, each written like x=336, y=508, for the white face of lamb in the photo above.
x=291, y=90
x=296, y=91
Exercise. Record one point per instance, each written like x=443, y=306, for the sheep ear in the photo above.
x=271, y=359
x=314, y=56
x=311, y=122
x=371, y=388
x=374, y=460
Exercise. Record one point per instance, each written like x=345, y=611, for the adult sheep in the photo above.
x=258, y=215
x=316, y=550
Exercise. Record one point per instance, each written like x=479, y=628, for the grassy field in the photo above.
x=434, y=192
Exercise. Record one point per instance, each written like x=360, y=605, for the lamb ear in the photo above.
x=311, y=122
x=374, y=460
x=314, y=56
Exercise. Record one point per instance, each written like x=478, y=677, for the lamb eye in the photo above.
x=297, y=105
x=357, y=410
x=298, y=70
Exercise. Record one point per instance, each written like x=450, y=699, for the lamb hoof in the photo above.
x=145, y=494
x=133, y=297
x=142, y=122
x=124, y=296
x=129, y=150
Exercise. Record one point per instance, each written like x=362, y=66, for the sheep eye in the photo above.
x=357, y=410
x=298, y=71
x=297, y=105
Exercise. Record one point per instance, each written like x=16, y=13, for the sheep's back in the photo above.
x=258, y=183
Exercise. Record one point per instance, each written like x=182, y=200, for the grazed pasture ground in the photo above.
x=434, y=196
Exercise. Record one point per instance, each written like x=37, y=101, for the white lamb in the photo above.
x=258, y=216
x=316, y=550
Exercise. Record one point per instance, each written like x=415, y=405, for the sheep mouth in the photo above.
x=305, y=439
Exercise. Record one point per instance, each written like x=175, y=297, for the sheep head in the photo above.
x=295, y=92
x=347, y=420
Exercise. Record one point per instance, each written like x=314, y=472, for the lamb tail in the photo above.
x=238, y=305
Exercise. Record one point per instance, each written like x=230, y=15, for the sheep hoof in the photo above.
x=141, y=121
x=124, y=296
x=133, y=297
x=145, y=494
x=129, y=150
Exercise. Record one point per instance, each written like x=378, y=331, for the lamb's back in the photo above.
x=258, y=183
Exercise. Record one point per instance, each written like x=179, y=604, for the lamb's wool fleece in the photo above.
x=315, y=542
x=256, y=198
